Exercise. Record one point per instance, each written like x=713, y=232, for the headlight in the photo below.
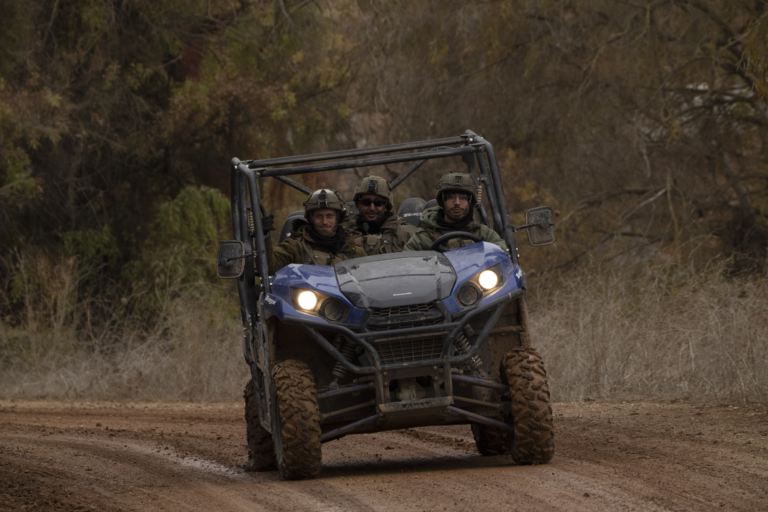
x=480, y=286
x=332, y=310
x=469, y=294
x=307, y=300
x=488, y=279
x=319, y=304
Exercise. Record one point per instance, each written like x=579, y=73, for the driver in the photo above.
x=457, y=199
x=318, y=238
x=380, y=231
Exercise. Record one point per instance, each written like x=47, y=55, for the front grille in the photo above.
x=403, y=317
x=403, y=310
x=398, y=351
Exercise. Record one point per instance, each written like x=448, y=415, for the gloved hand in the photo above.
x=268, y=224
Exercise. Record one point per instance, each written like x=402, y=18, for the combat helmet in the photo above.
x=457, y=182
x=374, y=185
x=325, y=199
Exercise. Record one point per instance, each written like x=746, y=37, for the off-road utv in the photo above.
x=393, y=341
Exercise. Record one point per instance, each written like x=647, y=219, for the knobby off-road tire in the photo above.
x=532, y=441
x=261, y=450
x=296, y=426
x=489, y=440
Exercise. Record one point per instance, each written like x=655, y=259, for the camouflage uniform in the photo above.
x=394, y=231
x=430, y=229
x=303, y=248
x=392, y=236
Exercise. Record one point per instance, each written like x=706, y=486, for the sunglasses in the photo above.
x=454, y=195
x=375, y=202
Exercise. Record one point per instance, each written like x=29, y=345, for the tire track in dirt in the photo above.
x=647, y=456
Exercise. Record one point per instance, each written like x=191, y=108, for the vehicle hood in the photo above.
x=399, y=279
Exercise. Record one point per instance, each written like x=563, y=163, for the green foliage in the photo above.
x=181, y=247
x=196, y=218
x=755, y=56
x=118, y=119
x=88, y=245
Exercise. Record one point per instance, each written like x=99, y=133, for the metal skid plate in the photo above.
x=423, y=412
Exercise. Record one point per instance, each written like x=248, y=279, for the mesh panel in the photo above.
x=420, y=323
x=402, y=310
x=402, y=317
x=409, y=350
x=393, y=322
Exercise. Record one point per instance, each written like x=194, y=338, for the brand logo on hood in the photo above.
x=399, y=294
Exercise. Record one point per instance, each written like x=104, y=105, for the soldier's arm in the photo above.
x=420, y=241
x=492, y=237
x=407, y=230
x=403, y=234
x=282, y=255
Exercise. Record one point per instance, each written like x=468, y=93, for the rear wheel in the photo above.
x=296, y=424
x=532, y=441
x=261, y=451
x=490, y=440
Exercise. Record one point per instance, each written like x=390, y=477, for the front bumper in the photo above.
x=382, y=372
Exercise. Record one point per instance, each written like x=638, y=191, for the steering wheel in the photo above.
x=450, y=236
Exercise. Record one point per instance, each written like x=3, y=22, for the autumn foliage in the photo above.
x=643, y=124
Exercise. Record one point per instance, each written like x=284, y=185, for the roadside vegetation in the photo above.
x=644, y=125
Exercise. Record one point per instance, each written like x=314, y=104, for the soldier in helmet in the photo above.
x=318, y=238
x=456, y=198
x=380, y=231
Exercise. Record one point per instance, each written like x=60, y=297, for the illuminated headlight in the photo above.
x=480, y=286
x=488, y=279
x=319, y=304
x=307, y=300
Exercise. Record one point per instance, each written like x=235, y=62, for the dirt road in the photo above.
x=643, y=456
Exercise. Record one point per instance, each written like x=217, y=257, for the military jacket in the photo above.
x=301, y=248
x=430, y=231
x=392, y=236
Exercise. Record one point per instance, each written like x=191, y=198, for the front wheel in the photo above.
x=532, y=441
x=296, y=422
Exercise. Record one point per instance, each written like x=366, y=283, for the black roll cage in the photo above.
x=245, y=191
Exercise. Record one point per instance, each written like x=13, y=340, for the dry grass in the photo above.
x=663, y=332
x=190, y=351
x=604, y=333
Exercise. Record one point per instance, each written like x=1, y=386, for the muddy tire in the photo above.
x=532, y=441
x=261, y=450
x=296, y=426
x=489, y=440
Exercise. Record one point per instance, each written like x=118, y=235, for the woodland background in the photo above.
x=643, y=123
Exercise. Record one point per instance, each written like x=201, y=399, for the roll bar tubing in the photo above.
x=365, y=162
x=245, y=190
x=333, y=155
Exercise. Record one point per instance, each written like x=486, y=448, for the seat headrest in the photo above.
x=411, y=209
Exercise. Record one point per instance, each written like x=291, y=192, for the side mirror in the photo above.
x=231, y=259
x=541, y=228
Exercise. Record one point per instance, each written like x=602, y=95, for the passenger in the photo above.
x=318, y=238
x=380, y=231
x=457, y=199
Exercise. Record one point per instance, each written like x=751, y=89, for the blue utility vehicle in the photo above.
x=394, y=341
